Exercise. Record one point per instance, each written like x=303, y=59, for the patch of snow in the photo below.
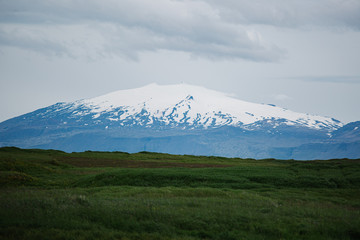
x=96, y=116
x=192, y=104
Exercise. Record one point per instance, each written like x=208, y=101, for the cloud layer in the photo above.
x=209, y=29
x=331, y=79
x=292, y=14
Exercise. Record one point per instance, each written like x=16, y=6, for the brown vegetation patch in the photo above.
x=96, y=162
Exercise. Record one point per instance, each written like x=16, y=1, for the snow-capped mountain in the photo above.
x=182, y=105
x=180, y=119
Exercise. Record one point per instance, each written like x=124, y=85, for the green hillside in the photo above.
x=48, y=194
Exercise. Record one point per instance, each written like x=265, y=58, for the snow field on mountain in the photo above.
x=189, y=104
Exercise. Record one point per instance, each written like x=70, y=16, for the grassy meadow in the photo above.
x=48, y=194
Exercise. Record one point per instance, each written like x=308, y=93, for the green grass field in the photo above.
x=47, y=194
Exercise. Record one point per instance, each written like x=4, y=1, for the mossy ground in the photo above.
x=98, y=195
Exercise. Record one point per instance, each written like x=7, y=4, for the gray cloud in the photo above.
x=203, y=28
x=298, y=13
x=330, y=79
x=22, y=40
x=128, y=28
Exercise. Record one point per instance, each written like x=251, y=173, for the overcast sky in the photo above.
x=303, y=55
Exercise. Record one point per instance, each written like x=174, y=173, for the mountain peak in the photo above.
x=181, y=119
x=192, y=106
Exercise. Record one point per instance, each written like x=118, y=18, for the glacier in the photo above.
x=180, y=119
x=186, y=105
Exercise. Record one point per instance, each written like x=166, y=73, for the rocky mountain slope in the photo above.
x=181, y=119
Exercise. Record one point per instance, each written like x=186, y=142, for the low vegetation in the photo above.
x=48, y=194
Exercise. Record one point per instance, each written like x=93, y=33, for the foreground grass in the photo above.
x=44, y=196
